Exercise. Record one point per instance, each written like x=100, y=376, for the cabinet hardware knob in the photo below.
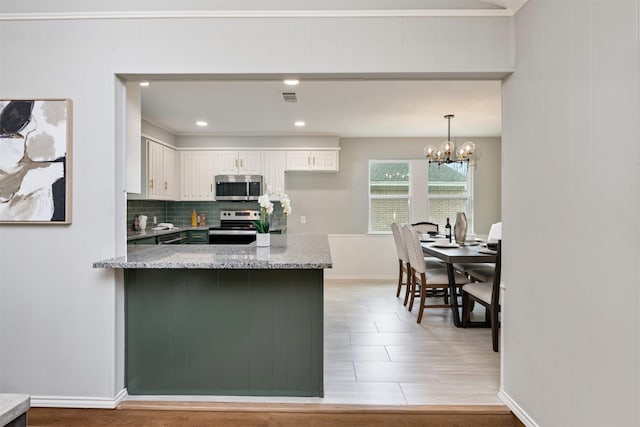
x=151, y=184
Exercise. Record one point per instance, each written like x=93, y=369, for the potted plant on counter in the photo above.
x=263, y=238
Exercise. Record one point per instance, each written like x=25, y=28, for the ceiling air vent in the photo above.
x=289, y=97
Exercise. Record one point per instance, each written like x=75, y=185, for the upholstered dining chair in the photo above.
x=422, y=277
x=482, y=272
x=425, y=227
x=404, y=266
x=487, y=294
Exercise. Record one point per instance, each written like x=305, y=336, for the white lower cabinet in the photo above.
x=197, y=170
x=321, y=160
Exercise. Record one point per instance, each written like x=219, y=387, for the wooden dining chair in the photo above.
x=488, y=295
x=421, y=277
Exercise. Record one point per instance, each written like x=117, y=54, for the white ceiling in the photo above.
x=346, y=108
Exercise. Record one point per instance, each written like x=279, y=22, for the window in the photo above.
x=449, y=192
x=389, y=194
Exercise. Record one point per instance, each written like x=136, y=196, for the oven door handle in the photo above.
x=171, y=241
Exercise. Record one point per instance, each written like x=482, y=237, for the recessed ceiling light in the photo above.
x=144, y=84
x=299, y=123
x=202, y=123
x=291, y=82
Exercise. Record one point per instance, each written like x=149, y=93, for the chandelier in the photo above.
x=448, y=148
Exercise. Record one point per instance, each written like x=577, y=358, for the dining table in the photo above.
x=468, y=253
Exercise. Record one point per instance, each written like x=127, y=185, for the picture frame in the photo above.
x=35, y=161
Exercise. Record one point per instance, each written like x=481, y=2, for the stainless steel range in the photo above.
x=236, y=228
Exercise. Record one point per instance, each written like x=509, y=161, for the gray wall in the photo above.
x=570, y=165
x=152, y=131
x=337, y=203
x=67, y=343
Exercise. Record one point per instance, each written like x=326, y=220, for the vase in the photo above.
x=263, y=239
x=460, y=228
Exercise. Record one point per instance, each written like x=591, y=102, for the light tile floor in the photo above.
x=376, y=353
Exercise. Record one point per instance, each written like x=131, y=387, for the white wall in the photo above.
x=571, y=215
x=362, y=256
x=60, y=319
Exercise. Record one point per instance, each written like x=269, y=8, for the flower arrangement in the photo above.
x=266, y=209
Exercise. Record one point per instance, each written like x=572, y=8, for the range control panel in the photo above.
x=249, y=215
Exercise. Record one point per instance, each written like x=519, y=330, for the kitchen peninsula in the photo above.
x=225, y=319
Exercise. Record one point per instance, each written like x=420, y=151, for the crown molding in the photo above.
x=257, y=14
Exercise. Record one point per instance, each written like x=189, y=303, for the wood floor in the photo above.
x=381, y=368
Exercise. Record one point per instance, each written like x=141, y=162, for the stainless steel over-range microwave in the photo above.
x=238, y=187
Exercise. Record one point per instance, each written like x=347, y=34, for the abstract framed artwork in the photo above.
x=35, y=161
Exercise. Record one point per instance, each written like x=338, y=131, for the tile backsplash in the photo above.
x=179, y=213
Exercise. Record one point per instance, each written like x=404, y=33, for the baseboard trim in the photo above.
x=380, y=277
x=516, y=409
x=79, y=402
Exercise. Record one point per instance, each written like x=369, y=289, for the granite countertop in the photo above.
x=134, y=235
x=287, y=251
x=12, y=406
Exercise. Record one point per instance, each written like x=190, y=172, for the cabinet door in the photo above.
x=155, y=165
x=196, y=175
x=324, y=160
x=226, y=162
x=298, y=161
x=170, y=173
x=250, y=162
x=275, y=163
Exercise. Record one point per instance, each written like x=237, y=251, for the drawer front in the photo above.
x=199, y=237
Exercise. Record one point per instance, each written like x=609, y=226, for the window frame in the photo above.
x=370, y=197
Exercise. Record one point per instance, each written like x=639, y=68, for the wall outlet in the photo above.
x=303, y=219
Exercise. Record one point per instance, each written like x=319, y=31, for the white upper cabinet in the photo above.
x=317, y=160
x=238, y=163
x=162, y=172
x=170, y=169
x=275, y=164
x=197, y=170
